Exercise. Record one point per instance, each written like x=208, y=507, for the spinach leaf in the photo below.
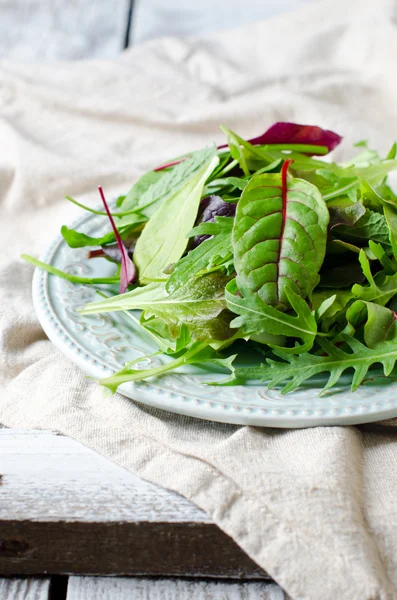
x=371, y=226
x=279, y=237
x=164, y=239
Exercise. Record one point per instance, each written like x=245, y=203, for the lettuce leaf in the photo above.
x=200, y=304
x=164, y=239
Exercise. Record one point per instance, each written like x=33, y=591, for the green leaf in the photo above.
x=342, y=211
x=379, y=322
x=241, y=150
x=164, y=239
x=279, y=240
x=381, y=288
x=324, y=308
x=379, y=253
x=298, y=369
x=257, y=317
x=142, y=186
x=200, y=304
x=77, y=239
x=371, y=226
x=196, y=353
x=69, y=276
x=156, y=186
x=212, y=252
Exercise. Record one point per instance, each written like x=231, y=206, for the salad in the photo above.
x=256, y=247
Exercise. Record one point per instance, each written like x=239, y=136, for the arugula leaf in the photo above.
x=298, y=369
x=256, y=317
x=200, y=304
x=163, y=241
x=279, y=237
x=212, y=252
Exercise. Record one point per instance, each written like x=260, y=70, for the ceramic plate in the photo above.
x=102, y=344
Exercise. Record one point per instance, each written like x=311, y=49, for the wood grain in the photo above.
x=66, y=509
x=112, y=588
x=24, y=589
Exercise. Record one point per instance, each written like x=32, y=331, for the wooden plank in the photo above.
x=66, y=509
x=155, y=18
x=48, y=30
x=24, y=589
x=113, y=588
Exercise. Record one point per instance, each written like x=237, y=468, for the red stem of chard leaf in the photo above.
x=170, y=164
x=284, y=191
x=128, y=272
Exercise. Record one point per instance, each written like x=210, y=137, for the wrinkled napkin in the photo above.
x=316, y=508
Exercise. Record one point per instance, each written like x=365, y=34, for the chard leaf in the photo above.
x=200, y=304
x=298, y=369
x=256, y=317
x=128, y=272
x=279, y=237
x=212, y=252
x=379, y=322
x=164, y=239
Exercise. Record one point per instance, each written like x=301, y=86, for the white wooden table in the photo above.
x=67, y=513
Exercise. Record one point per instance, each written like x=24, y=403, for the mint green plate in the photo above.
x=101, y=344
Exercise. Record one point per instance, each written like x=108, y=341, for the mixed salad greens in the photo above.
x=257, y=246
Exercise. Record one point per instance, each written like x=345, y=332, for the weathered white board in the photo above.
x=50, y=30
x=112, y=588
x=24, y=589
x=64, y=509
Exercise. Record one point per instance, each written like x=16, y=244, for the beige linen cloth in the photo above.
x=316, y=508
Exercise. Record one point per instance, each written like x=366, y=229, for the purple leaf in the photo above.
x=286, y=133
x=211, y=207
x=293, y=133
x=128, y=272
